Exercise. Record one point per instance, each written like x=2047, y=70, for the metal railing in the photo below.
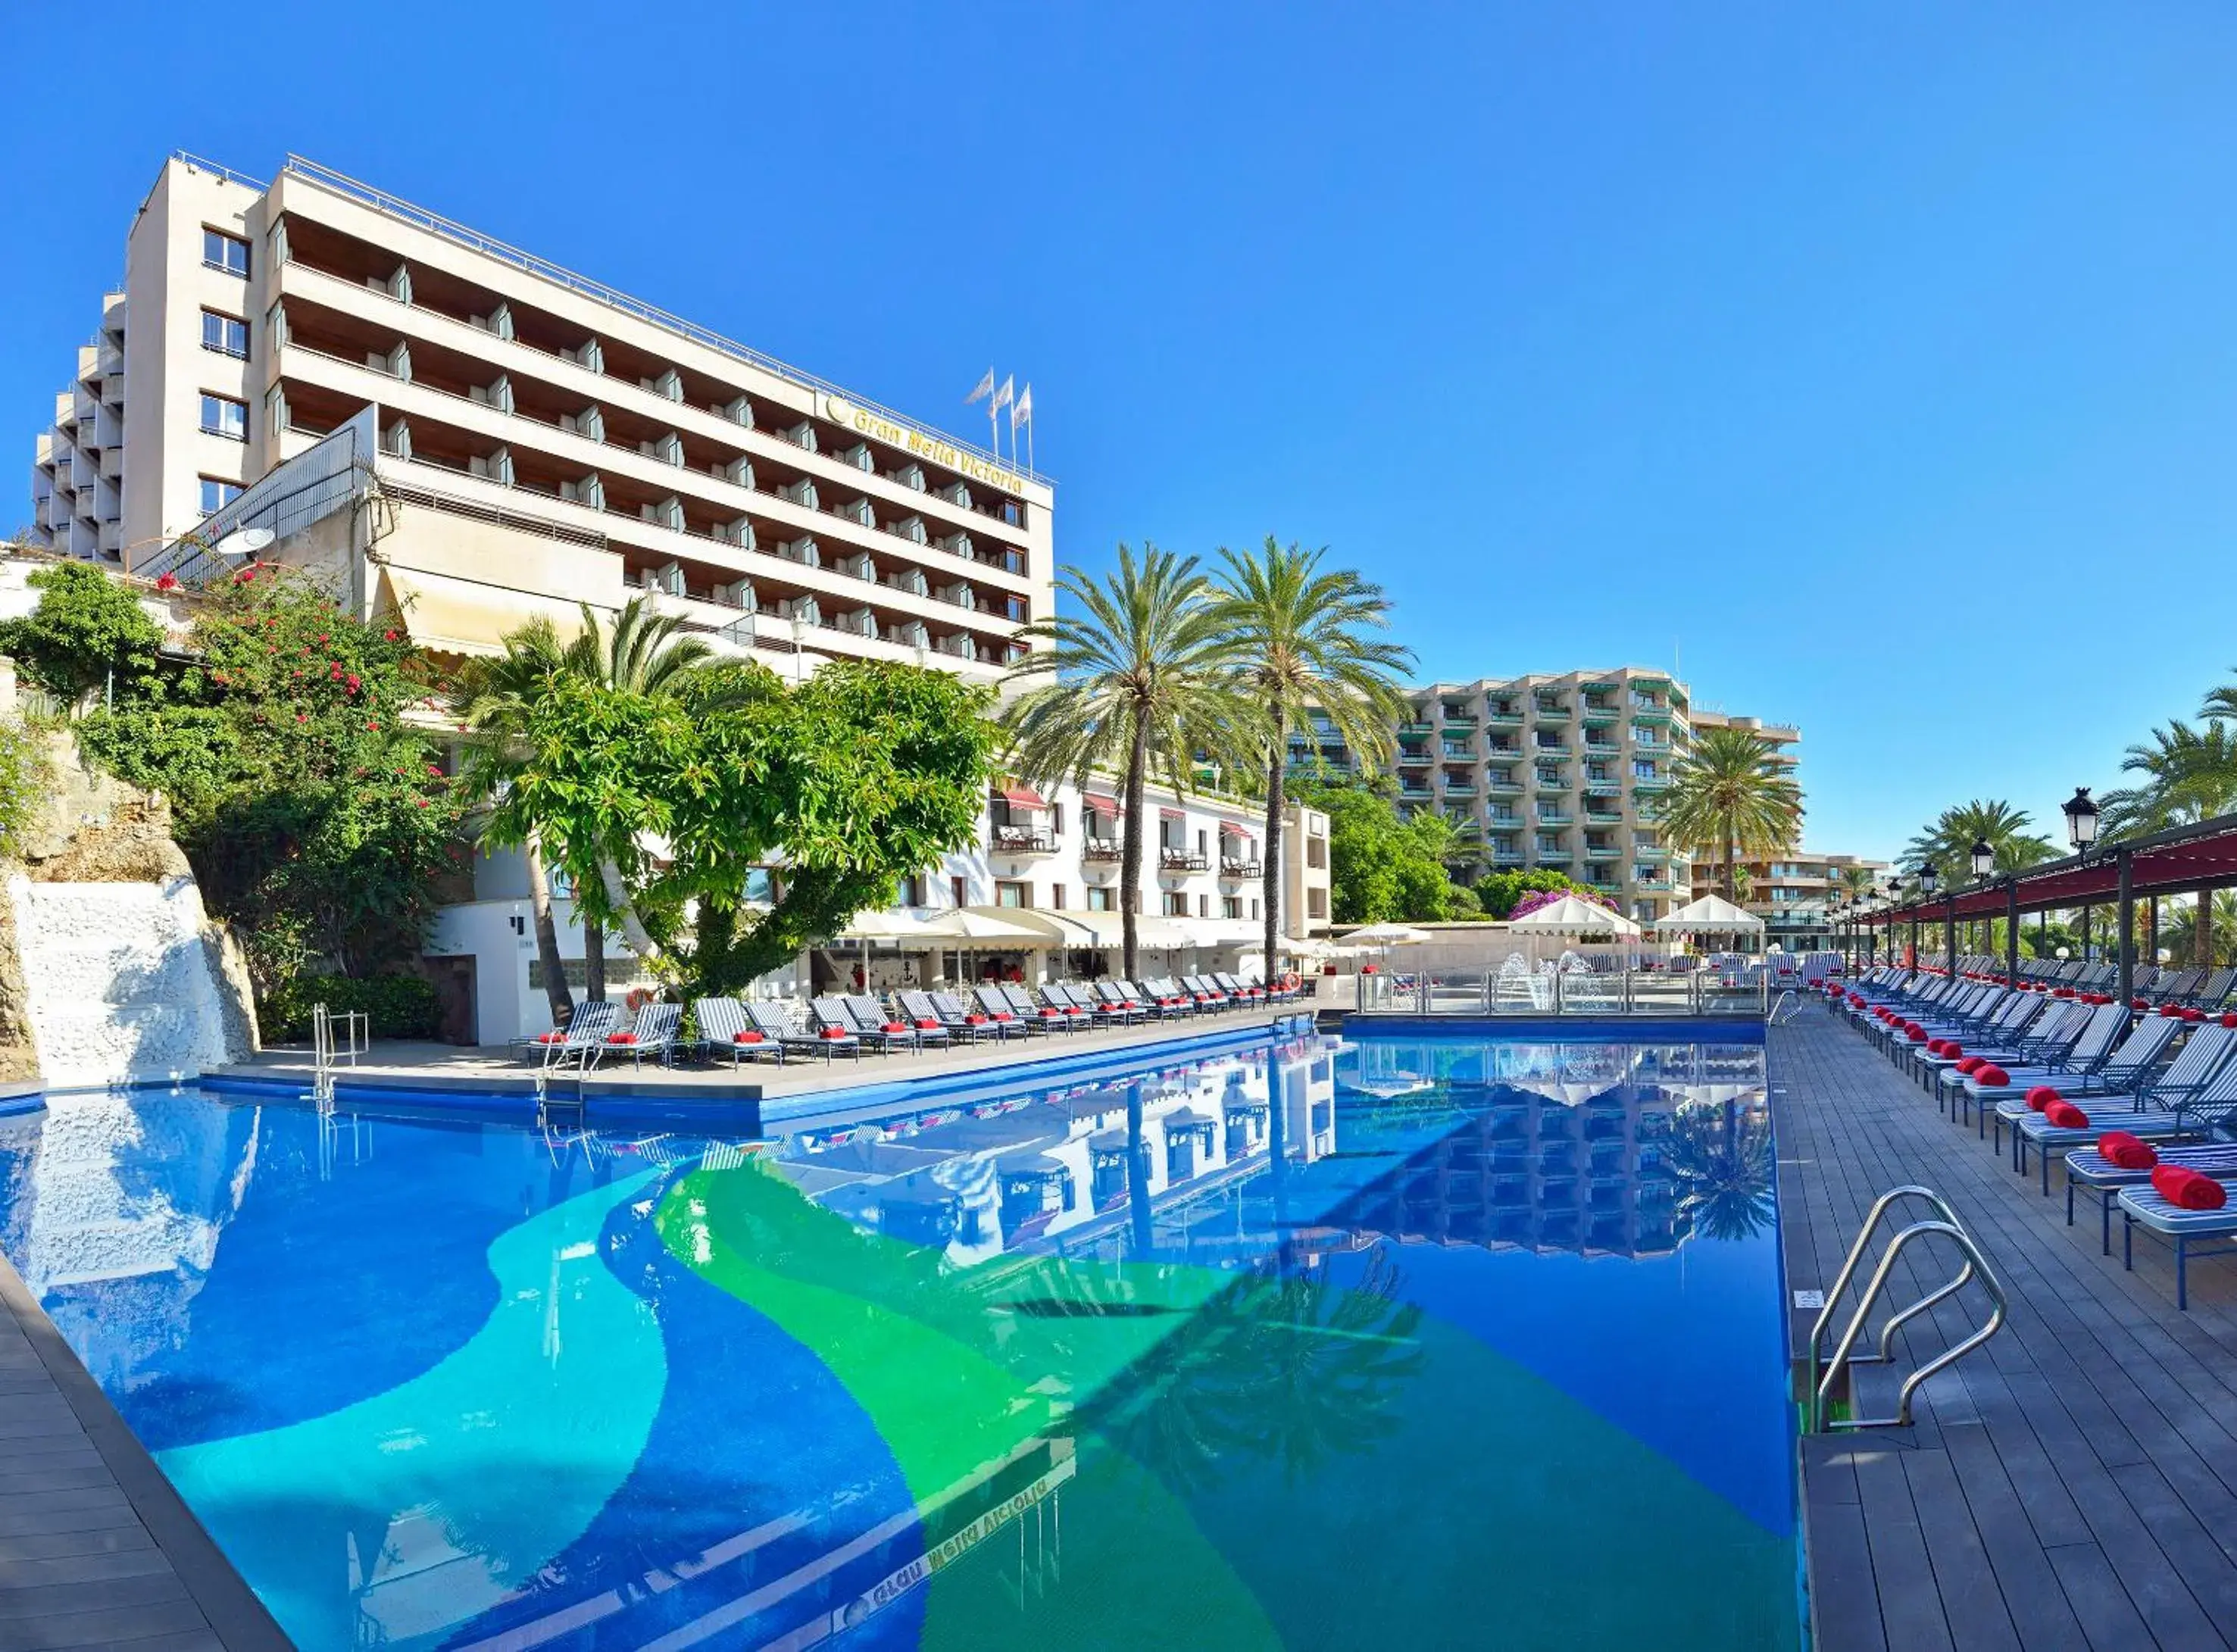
x=334, y=1039
x=1826, y=1376
x=1494, y=992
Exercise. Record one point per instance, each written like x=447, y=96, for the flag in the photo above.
x=1004, y=396
x=986, y=388
x=1023, y=412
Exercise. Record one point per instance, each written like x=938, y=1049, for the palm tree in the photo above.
x=490, y=705
x=1947, y=844
x=1857, y=882
x=640, y=653
x=1138, y=676
x=2189, y=775
x=1732, y=795
x=1303, y=642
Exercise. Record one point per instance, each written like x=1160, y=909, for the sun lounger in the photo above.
x=1166, y=1006
x=722, y=1030
x=827, y=1040
x=926, y=1031
x=2126, y=1073
x=1123, y=1005
x=995, y=1001
x=2146, y=1207
x=652, y=1034
x=1047, y=1016
x=1082, y=1011
x=584, y=1036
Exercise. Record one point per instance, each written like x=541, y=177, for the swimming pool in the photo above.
x=1412, y=1344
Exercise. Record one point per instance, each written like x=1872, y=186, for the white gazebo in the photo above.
x=1574, y=915
x=1711, y=915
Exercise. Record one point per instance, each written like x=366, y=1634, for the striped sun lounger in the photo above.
x=2185, y=1230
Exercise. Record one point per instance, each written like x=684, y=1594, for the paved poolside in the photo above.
x=96, y=1550
x=497, y=1069
x=2071, y=1485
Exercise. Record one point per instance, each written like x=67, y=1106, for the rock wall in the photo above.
x=110, y=971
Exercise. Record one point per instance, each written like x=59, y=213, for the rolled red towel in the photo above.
x=835, y=1033
x=1991, y=1077
x=2041, y=1096
x=2193, y=1015
x=2138, y=1004
x=1934, y=1046
x=2125, y=1152
x=1916, y=1033
x=2187, y=1189
x=2229, y=1018
x=897, y=1026
x=1972, y=1064
x=749, y=1036
x=2169, y=1010
x=1952, y=1049
x=923, y=1025
x=551, y=1037
x=2065, y=1116
x=975, y=1021
x=621, y=1038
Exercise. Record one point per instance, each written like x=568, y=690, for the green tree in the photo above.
x=2185, y=774
x=1137, y=677
x=87, y=632
x=1732, y=795
x=862, y=773
x=317, y=821
x=1382, y=868
x=491, y=702
x=1948, y=843
x=1304, y=641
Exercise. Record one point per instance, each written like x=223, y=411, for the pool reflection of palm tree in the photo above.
x=1283, y=1366
x=1721, y=1157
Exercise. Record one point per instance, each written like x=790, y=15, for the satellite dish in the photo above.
x=245, y=542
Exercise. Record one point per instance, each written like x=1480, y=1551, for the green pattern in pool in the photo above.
x=1406, y=1344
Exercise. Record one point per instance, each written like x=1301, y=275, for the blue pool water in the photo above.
x=1407, y=1344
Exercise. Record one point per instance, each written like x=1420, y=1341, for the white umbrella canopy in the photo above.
x=1711, y=915
x=1573, y=915
x=1387, y=934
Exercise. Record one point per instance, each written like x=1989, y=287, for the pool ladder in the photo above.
x=1944, y=1223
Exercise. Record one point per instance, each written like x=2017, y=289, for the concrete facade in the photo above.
x=782, y=513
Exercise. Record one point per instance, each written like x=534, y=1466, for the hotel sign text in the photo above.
x=933, y=449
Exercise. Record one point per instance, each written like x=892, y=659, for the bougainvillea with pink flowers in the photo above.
x=1539, y=899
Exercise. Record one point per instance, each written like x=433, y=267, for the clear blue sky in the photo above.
x=1882, y=368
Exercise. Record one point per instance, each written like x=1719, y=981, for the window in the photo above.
x=960, y=891
x=1254, y=907
x=224, y=252
x=1176, y=904
x=761, y=886
x=1642, y=770
x=225, y=334
x=1204, y=905
x=217, y=493
x=1231, y=905
x=1055, y=898
x=222, y=416
x=1014, y=894
x=1102, y=900
x=909, y=891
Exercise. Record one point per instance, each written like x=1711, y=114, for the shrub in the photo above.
x=395, y=1006
x=86, y=627
x=23, y=782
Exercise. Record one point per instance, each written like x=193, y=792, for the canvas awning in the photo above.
x=1022, y=797
x=1573, y=915
x=1711, y=915
x=1171, y=814
x=1096, y=803
x=1105, y=930
x=449, y=615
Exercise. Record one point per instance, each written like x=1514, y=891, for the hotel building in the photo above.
x=462, y=436
x=514, y=439
x=1563, y=771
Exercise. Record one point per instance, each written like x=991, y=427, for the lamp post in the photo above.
x=2127, y=938
x=1984, y=867
x=2080, y=820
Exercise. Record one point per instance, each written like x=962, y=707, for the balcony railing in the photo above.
x=1416, y=729
x=1505, y=719
x=1550, y=713
x=1504, y=788
x=1241, y=867
x=1181, y=860
x=1022, y=840
x=1649, y=784
x=1102, y=849
x=1412, y=755
x=1555, y=817
x=1460, y=788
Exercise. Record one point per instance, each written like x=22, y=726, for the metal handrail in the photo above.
x=1977, y=1265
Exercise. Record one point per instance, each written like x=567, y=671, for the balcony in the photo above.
x=1503, y=785
x=1546, y=711
x=1022, y=840
x=1508, y=857
x=1603, y=817
x=1459, y=751
x=1460, y=788
x=1504, y=717
x=1416, y=730
x=1410, y=755
x=1459, y=722
x=1649, y=788
x=1555, y=818
x=1649, y=713
x=1241, y=867
x=1600, y=786
x=1599, y=716
x=1102, y=849
x=1647, y=855
x=1171, y=859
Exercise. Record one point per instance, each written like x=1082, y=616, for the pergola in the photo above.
x=2193, y=859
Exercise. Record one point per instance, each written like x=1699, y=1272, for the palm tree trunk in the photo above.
x=594, y=958
x=1129, y=848
x=1732, y=865
x=547, y=937
x=1271, y=867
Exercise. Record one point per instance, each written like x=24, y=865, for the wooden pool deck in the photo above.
x=2071, y=1485
x=96, y=1550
